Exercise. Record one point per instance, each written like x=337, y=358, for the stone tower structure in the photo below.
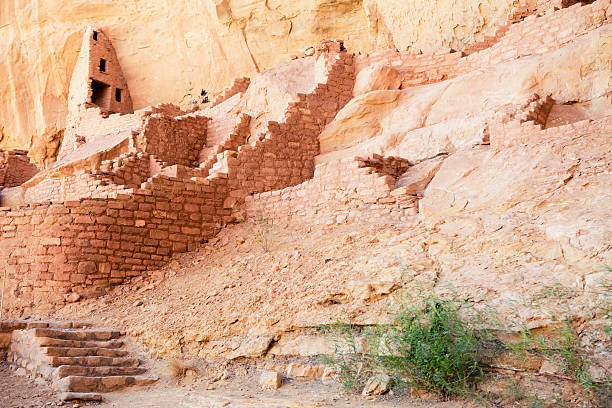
x=97, y=79
x=97, y=88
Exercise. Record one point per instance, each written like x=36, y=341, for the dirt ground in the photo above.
x=194, y=310
x=195, y=306
x=18, y=391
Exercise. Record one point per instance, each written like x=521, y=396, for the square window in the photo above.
x=102, y=65
x=95, y=36
x=100, y=94
x=118, y=95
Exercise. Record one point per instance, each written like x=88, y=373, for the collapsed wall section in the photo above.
x=537, y=34
x=284, y=155
x=115, y=176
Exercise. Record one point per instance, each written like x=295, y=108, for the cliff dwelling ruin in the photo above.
x=350, y=176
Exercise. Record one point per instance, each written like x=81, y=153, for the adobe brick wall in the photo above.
x=340, y=191
x=537, y=34
x=15, y=168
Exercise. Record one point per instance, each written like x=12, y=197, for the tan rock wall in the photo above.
x=423, y=121
x=428, y=26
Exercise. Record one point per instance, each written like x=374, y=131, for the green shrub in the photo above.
x=439, y=344
x=430, y=346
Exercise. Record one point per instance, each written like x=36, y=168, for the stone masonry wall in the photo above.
x=284, y=156
x=340, y=191
x=534, y=35
x=515, y=133
x=90, y=124
x=15, y=168
x=223, y=139
x=87, y=245
x=345, y=190
x=174, y=140
x=239, y=85
x=129, y=170
x=101, y=48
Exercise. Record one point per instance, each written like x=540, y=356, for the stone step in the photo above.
x=9, y=326
x=81, y=335
x=83, y=352
x=69, y=370
x=81, y=396
x=51, y=342
x=101, y=384
x=94, y=361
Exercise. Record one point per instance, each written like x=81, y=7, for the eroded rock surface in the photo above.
x=421, y=122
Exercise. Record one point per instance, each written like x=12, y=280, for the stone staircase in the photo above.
x=80, y=362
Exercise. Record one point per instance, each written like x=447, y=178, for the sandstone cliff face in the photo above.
x=421, y=122
x=171, y=50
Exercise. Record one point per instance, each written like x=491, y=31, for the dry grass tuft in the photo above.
x=179, y=368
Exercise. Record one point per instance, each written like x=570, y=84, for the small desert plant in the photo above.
x=607, y=307
x=351, y=367
x=520, y=396
x=428, y=345
x=431, y=346
x=262, y=228
x=441, y=344
x=178, y=368
x=564, y=347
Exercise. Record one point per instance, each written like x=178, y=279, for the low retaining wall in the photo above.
x=85, y=246
x=340, y=191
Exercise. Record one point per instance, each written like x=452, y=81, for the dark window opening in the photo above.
x=102, y=65
x=100, y=94
x=118, y=95
x=95, y=36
